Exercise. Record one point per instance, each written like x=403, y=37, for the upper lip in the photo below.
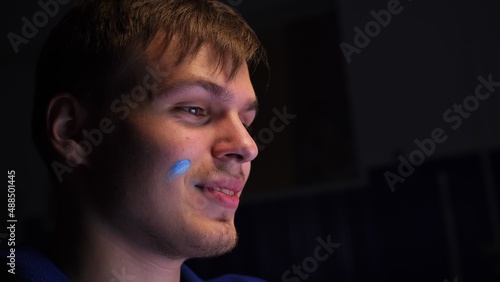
x=231, y=184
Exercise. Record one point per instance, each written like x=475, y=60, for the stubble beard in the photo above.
x=200, y=244
x=212, y=245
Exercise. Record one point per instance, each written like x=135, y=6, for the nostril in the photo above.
x=236, y=156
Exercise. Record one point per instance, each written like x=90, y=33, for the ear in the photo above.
x=65, y=119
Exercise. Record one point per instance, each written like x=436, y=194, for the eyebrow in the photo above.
x=215, y=90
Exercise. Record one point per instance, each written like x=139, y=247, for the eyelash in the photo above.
x=189, y=109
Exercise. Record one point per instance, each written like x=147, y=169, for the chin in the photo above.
x=219, y=240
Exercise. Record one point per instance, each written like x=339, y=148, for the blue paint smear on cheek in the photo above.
x=178, y=169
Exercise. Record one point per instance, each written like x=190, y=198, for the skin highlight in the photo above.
x=178, y=169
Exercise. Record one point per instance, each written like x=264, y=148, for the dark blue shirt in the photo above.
x=32, y=266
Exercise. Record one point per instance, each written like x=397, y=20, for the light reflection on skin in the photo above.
x=178, y=169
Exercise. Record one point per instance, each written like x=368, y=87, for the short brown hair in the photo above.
x=97, y=42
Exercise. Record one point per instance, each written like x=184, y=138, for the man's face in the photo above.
x=173, y=170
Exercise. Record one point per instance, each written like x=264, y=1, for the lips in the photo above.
x=225, y=192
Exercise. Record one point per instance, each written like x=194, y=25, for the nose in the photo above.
x=233, y=141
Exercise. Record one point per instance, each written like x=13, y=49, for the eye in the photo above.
x=195, y=111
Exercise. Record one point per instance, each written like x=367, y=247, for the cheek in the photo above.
x=139, y=152
x=157, y=149
x=178, y=169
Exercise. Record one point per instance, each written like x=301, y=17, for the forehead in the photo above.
x=205, y=65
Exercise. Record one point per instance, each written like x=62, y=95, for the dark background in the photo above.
x=323, y=175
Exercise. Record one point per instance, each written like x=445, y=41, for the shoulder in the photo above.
x=189, y=276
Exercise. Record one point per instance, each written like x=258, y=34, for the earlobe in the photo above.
x=65, y=119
